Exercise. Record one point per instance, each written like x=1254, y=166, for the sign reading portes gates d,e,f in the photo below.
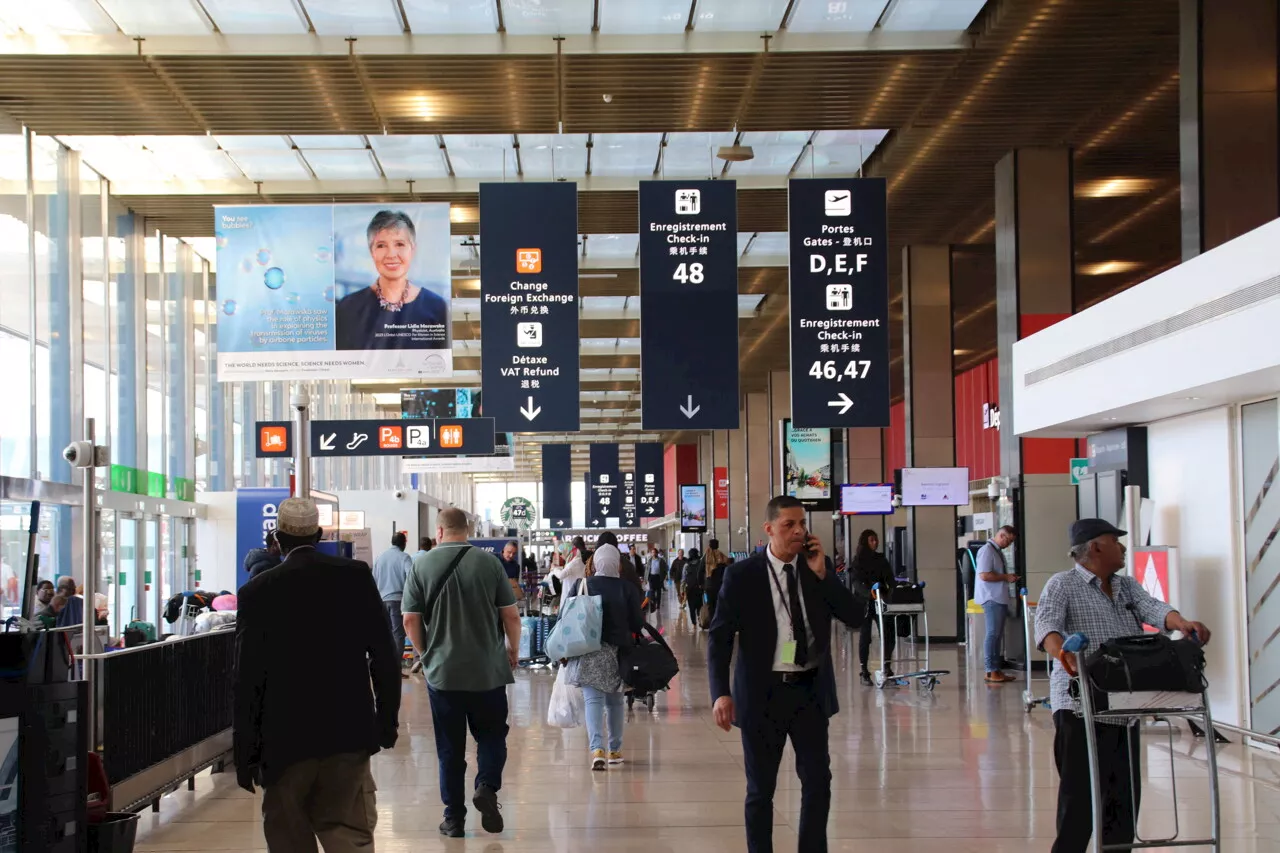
x=839, y=303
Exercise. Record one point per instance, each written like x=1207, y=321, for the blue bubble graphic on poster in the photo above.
x=368, y=292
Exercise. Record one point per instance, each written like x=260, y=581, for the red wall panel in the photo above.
x=895, y=441
x=977, y=449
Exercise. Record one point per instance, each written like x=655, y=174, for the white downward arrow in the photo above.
x=326, y=441
x=844, y=403
x=690, y=410
x=530, y=411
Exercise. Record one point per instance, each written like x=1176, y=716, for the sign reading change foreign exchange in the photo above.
x=839, y=303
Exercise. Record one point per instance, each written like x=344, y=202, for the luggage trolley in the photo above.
x=1197, y=712
x=926, y=678
x=1029, y=699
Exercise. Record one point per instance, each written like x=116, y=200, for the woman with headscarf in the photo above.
x=869, y=567
x=597, y=672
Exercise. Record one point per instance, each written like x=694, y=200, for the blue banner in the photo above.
x=347, y=291
x=605, y=498
x=529, y=305
x=557, y=473
x=689, y=305
x=493, y=546
x=256, y=511
x=839, y=291
x=651, y=480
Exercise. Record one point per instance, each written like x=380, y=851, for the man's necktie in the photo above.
x=798, y=628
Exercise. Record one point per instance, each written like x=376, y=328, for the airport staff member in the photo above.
x=1092, y=599
x=779, y=605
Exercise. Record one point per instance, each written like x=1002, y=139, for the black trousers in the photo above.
x=864, y=638
x=694, y=599
x=791, y=711
x=1118, y=753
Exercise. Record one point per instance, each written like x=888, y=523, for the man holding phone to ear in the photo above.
x=1092, y=599
x=778, y=604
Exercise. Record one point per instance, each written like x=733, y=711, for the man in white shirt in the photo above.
x=778, y=605
x=991, y=590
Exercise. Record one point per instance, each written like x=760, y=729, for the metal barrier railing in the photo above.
x=157, y=701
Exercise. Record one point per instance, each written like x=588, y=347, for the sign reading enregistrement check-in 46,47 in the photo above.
x=529, y=305
x=839, y=303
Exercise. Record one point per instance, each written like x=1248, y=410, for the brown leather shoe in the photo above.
x=1007, y=677
x=995, y=678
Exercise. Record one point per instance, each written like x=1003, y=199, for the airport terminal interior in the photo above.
x=983, y=283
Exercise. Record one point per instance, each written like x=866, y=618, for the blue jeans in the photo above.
x=996, y=615
x=452, y=713
x=597, y=702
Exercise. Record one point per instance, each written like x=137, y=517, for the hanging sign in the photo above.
x=839, y=300
x=630, y=514
x=529, y=305
x=556, y=476
x=651, y=480
x=605, y=484
x=689, y=305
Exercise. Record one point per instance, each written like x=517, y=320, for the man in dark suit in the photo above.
x=306, y=718
x=779, y=604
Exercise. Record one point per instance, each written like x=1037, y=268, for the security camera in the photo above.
x=300, y=399
x=79, y=454
x=897, y=500
x=993, y=490
x=608, y=99
x=399, y=495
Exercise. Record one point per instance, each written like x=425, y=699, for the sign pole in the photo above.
x=301, y=399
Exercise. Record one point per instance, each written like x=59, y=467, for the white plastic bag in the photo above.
x=567, y=709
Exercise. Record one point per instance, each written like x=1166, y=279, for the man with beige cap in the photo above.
x=306, y=716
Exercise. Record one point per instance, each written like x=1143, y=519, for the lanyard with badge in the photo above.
x=789, y=647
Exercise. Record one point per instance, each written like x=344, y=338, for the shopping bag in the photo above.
x=578, y=630
x=567, y=709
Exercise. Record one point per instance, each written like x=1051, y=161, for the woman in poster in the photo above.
x=392, y=312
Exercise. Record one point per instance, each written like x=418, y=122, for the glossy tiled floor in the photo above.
x=963, y=770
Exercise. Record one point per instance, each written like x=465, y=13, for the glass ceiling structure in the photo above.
x=61, y=18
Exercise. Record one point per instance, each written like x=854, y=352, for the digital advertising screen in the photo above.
x=334, y=291
x=866, y=499
x=693, y=508
x=806, y=466
x=935, y=486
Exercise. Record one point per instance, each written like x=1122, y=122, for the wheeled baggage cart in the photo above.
x=926, y=678
x=1029, y=699
x=1135, y=707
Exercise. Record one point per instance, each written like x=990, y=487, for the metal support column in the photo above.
x=301, y=400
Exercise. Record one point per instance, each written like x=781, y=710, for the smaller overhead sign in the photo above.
x=420, y=437
x=275, y=439
x=1079, y=470
x=650, y=480
x=630, y=514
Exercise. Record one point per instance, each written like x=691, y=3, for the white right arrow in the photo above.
x=648, y=510
x=326, y=441
x=690, y=410
x=844, y=403
x=530, y=411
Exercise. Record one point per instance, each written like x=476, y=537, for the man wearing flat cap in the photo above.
x=312, y=705
x=1091, y=598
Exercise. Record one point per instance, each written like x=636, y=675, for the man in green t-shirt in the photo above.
x=457, y=607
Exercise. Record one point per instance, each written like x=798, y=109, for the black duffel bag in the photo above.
x=1147, y=663
x=649, y=665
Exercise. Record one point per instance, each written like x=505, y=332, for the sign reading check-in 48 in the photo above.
x=839, y=303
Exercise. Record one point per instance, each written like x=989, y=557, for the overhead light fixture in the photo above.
x=1115, y=187
x=1108, y=267
x=736, y=153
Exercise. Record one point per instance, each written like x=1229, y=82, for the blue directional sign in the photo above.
x=529, y=305
x=630, y=510
x=605, y=485
x=651, y=480
x=839, y=302
x=557, y=474
x=689, y=305
x=396, y=437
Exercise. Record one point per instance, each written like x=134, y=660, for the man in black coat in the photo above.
x=306, y=717
x=779, y=605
